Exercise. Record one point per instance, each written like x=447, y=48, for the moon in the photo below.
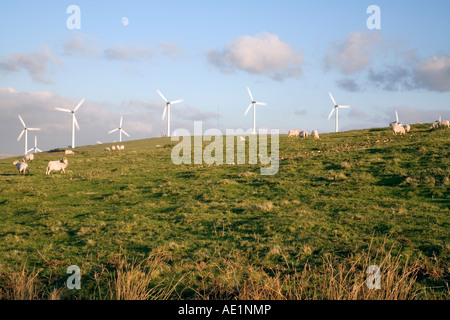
x=124, y=21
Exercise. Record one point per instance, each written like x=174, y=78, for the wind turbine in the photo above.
x=336, y=106
x=253, y=104
x=74, y=120
x=25, y=130
x=36, y=149
x=167, y=109
x=120, y=130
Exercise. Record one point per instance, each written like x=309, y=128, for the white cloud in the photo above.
x=80, y=43
x=264, y=54
x=355, y=53
x=36, y=64
x=434, y=73
x=130, y=53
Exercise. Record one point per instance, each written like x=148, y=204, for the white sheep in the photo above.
x=69, y=152
x=398, y=129
x=407, y=128
x=122, y=147
x=444, y=124
x=303, y=134
x=28, y=157
x=293, y=133
x=315, y=134
x=58, y=165
x=117, y=147
x=22, y=167
x=107, y=149
x=113, y=148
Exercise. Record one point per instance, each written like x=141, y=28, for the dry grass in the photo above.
x=21, y=285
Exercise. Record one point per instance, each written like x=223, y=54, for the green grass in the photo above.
x=330, y=197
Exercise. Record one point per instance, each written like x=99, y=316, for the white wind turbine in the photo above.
x=120, y=130
x=253, y=104
x=336, y=106
x=35, y=148
x=25, y=130
x=167, y=109
x=74, y=120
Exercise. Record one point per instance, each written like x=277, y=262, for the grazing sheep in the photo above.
x=69, y=152
x=241, y=138
x=22, y=167
x=398, y=129
x=293, y=133
x=113, y=148
x=58, y=165
x=315, y=134
x=28, y=157
x=444, y=124
x=407, y=128
x=107, y=149
x=122, y=147
x=303, y=134
x=117, y=147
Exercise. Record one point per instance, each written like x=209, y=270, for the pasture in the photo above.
x=141, y=227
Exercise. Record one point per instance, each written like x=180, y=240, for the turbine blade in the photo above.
x=396, y=115
x=177, y=101
x=21, y=120
x=332, y=99
x=248, y=109
x=38, y=149
x=79, y=105
x=113, y=130
x=331, y=113
x=21, y=134
x=34, y=129
x=345, y=107
x=30, y=150
x=123, y=131
x=76, y=122
x=250, y=93
x=64, y=110
x=164, y=98
x=164, y=113
x=121, y=119
x=261, y=103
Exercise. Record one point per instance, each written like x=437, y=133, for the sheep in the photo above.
x=69, y=152
x=122, y=147
x=445, y=124
x=303, y=134
x=113, y=148
x=315, y=134
x=22, y=167
x=107, y=149
x=28, y=157
x=293, y=133
x=117, y=147
x=407, y=128
x=58, y=165
x=398, y=129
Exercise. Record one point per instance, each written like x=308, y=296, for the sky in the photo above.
x=290, y=53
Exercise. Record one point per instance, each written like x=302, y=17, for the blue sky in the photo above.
x=290, y=53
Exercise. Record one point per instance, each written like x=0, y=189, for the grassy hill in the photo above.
x=140, y=226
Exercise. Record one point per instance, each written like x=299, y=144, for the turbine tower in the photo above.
x=120, y=130
x=167, y=109
x=74, y=120
x=336, y=107
x=253, y=104
x=25, y=130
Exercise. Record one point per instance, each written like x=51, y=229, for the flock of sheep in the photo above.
x=303, y=134
x=58, y=165
x=114, y=148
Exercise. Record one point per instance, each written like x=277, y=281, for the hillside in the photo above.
x=335, y=206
